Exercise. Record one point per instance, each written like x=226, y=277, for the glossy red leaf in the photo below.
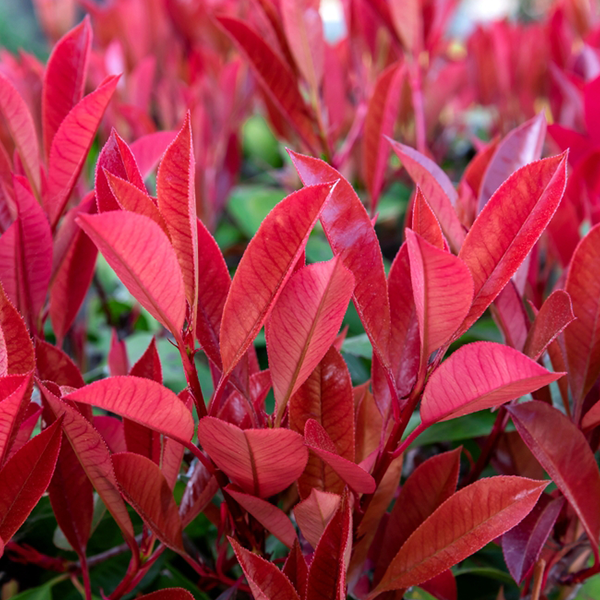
x=33, y=254
x=509, y=226
x=273, y=519
x=148, y=365
x=522, y=544
x=16, y=350
x=437, y=188
x=425, y=223
x=262, y=462
x=319, y=442
x=327, y=573
x=27, y=427
x=71, y=145
x=351, y=234
x=556, y=314
x=94, y=457
x=266, y=266
x=325, y=396
x=199, y=491
x=382, y=113
x=146, y=489
x=25, y=477
x=521, y=146
x=314, y=513
x=266, y=581
x=22, y=130
x=118, y=362
x=276, y=79
x=303, y=325
x=511, y=317
x=582, y=338
x=168, y=594
x=571, y=464
x=442, y=290
x=64, y=78
x=466, y=522
x=148, y=150
x=456, y=388
x=12, y=410
x=72, y=499
x=304, y=32
x=143, y=258
x=427, y=488
x=214, y=282
x=296, y=570
x=141, y=400
x=177, y=204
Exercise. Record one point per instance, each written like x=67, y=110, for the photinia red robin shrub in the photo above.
x=426, y=452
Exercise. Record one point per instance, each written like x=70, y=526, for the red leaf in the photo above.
x=13, y=404
x=509, y=226
x=199, y=491
x=351, y=234
x=296, y=570
x=325, y=396
x=141, y=400
x=304, y=32
x=437, y=188
x=442, y=586
x=112, y=431
x=22, y=130
x=16, y=350
x=168, y=594
x=321, y=444
x=582, y=338
x=94, y=457
x=148, y=150
x=64, y=78
x=442, y=289
x=327, y=574
x=275, y=78
x=146, y=489
x=466, y=522
x=266, y=266
x=314, y=513
x=273, y=519
x=148, y=365
x=143, y=258
x=521, y=146
x=556, y=313
x=118, y=363
x=262, y=462
x=177, y=204
x=456, y=388
x=213, y=286
x=382, y=113
x=591, y=104
x=25, y=477
x=522, y=544
x=28, y=425
x=266, y=581
x=71, y=145
x=571, y=464
x=427, y=488
x=408, y=22
x=303, y=325
x=425, y=223
x=511, y=317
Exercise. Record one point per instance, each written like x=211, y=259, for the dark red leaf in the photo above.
x=13, y=404
x=16, y=350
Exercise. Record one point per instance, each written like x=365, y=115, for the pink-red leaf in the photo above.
x=276, y=79
x=12, y=410
x=273, y=519
x=556, y=314
x=262, y=462
x=351, y=234
x=582, y=338
x=266, y=266
x=199, y=491
x=25, y=478
x=463, y=524
x=304, y=323
x=570, y=463
x=314, y=513
x=64, y=78
x=437, y=188
x=509, y=226
x=71, y=145
x=408, y=22
x=16, y=350
x=266, y=581
x=477, y=376
x=146, y=489
x=141, y=400
x=520, y=147
x=425, y=223
x=148, y=150
x=143, y=258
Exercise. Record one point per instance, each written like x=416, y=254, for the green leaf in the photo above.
x=250, y=204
